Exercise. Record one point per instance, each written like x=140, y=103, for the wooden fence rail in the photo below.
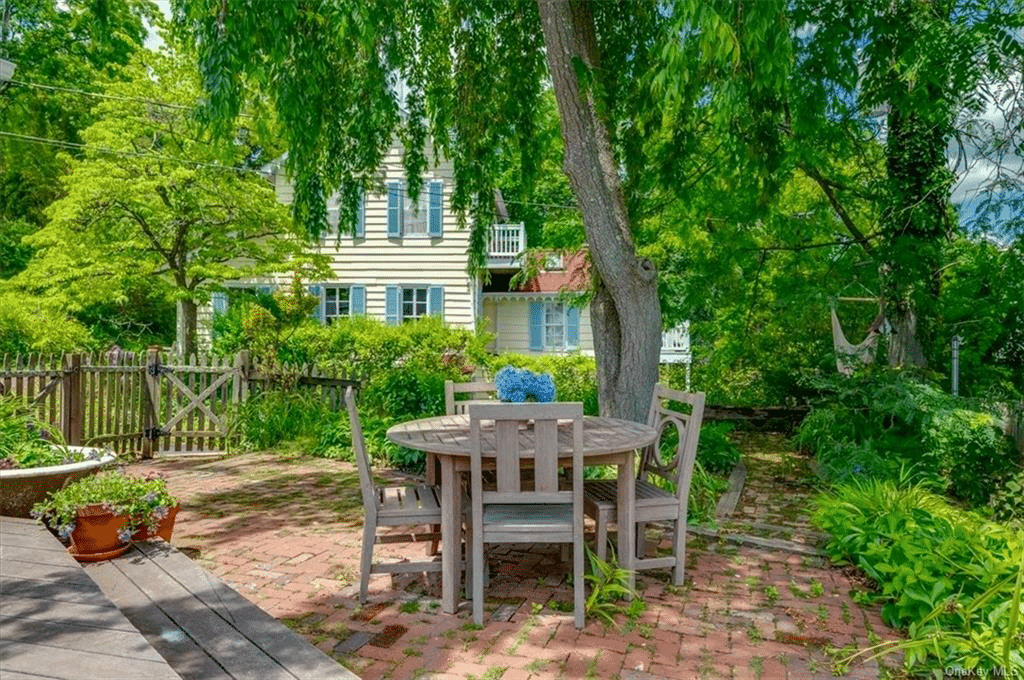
x=149, y=401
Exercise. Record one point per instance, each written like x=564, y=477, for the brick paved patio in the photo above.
x=285, y=533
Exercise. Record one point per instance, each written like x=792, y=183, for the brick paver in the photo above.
x=285, y=532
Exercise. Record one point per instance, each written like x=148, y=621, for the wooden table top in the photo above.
x=450, y=435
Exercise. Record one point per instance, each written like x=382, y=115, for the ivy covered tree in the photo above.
x=898, y=77
x=155, y=197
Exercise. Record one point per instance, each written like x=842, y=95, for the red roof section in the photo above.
x=575, y=275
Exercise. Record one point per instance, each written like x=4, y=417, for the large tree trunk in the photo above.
x=186, y=341
x=625, y=314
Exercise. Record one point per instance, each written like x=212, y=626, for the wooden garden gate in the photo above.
x=188, y=402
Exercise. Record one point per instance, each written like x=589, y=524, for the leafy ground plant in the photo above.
x=947, y=576
x=609, y=586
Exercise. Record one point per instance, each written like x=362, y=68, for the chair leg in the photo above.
x=478, y=577
x=641, y=540
x=579, y=596
x=679, y=550
x=433, y=474
x=366, y=559
x=601, y=528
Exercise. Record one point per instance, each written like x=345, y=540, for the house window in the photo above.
x=414, y=303
x=415, y=217
x=424, y=217
x=402, y=303
x=336, y=303
x=554, y=326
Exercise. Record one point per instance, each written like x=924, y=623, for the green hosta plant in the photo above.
x=982, y=638
x=143, y=500
x=946, y=576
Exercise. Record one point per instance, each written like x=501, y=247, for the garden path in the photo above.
x=760, y=601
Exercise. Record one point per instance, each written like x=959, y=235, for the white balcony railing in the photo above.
x=507, y=242
x=675, y=345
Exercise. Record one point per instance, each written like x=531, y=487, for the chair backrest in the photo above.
x=679, y=468
x=524, y=436
x=477, y=390
x=366, y=484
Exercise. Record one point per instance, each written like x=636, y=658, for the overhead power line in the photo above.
x=63, y=144
x=103, y=95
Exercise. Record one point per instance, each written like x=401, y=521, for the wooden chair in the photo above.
x=478, y=390
x=653, y=502
x=412, y=506
x=512, y=513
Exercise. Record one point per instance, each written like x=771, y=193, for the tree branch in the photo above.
x=844, y=216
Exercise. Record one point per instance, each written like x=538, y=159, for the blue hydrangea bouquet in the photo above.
x=520, y=384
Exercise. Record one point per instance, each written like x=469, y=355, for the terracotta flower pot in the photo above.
x=96, y=535
x=163, y=529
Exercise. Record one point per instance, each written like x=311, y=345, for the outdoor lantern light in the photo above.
x=6, y=73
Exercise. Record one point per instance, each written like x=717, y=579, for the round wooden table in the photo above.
x=606, y=441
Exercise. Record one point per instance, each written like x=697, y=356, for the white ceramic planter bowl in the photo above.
x=20, y=489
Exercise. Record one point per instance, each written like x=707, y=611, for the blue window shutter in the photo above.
x=360, y=230
x=435, y=216
x=318, y=311
x=435, y=301
x=219, y=300
x=391, y=300
x=395, y=209
x=572, y=328
x=537, y=326
x=357, y=300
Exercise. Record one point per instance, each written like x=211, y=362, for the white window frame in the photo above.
x=327, y=291
x=414, y=291
x=554, y=322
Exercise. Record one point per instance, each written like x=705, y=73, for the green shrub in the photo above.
x=279, y=414
x=715, y=451
x=30, y=324
x=28, y=442
x=878, y=423
x=945, y=575
x=971, y=450
x=335, y=440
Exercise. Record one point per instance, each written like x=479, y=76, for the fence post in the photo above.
x=243, y=367
x=71, y=400
x=151, y=402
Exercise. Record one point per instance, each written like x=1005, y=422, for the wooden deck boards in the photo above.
x=203, y=627
x=151, y=613
x=55, y=621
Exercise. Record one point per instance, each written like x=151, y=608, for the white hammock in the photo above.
x=848, y=355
